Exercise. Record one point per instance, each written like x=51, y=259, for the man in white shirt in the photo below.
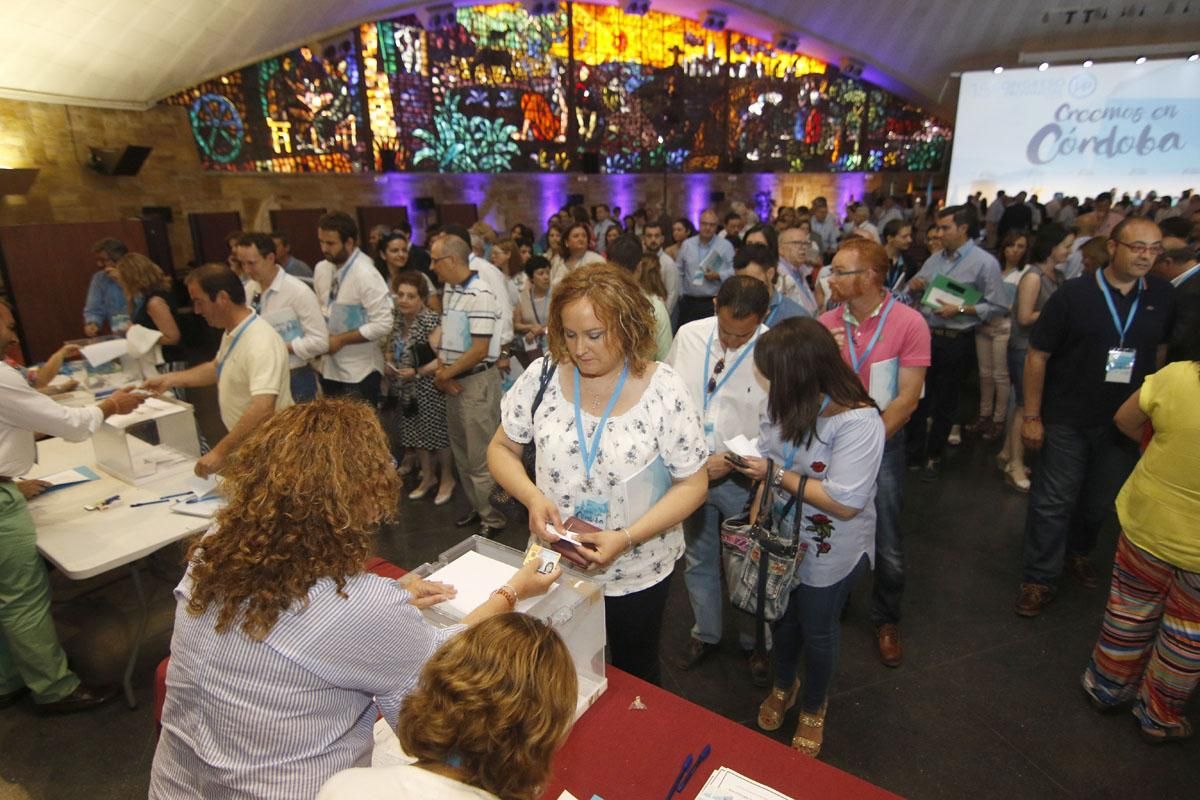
x=715, y=358
x=859, y=225
x=251, y=367
x=653, y=238
x=358, y=310
x=290, y=307
x=705, y=260
x=31, y=658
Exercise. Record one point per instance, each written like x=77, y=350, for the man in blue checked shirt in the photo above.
x=953, y=327
x=705, y=260
x=105, y=298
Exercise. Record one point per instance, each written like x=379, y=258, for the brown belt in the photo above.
x=6, y=479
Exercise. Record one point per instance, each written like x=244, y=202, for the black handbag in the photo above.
x=500, y=499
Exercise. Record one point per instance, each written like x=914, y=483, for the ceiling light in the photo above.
x=1088, y=63
x=1140, y=60
x=1042, y=67
x=997, y=70
x=1194, y=57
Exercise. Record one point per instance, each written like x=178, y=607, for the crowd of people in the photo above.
x=597, y=376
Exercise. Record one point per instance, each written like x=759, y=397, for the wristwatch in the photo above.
x=777, y=478
x=962, y=309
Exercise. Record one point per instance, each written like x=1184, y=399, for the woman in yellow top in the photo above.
x=1149, y=647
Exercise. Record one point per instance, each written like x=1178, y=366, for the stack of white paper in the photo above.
x=475, y=576
x=725, y=784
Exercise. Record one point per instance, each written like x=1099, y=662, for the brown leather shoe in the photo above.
x=1080, y=568
x=83, y=698
x=760, y=668
x=696, y=652
x=888, y=639
x=1034, y=597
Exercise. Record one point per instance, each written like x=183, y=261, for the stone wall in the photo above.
x=55, y=138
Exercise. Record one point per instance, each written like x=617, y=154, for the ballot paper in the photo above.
x=153, y=408
x=141, y=340
x=741, y=446
x=101, y=353
x=69, y=477
x=725, y=784
x=475, y=577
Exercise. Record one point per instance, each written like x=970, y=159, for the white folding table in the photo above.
x=82, y=544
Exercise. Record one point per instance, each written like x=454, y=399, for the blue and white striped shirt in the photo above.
x=276, y=718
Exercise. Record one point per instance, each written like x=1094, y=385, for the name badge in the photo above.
x=593, y=510
x=1119, y=367
x=710, y=436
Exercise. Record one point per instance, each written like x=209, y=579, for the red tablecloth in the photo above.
x=623, y=754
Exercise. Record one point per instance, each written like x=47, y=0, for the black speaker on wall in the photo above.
x=118, y=160
x=591, y=163
x=574, y=199
x=425, y=204
x=716, y=197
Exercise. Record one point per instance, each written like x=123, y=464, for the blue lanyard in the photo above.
x=589, y=456
x=340, y=276
x=237, y=337
x=789, y=455
x=1112, y=307
x=855, y=361
x=708, y=397
x=778, y=298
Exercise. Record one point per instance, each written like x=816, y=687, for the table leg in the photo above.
x=139, y=634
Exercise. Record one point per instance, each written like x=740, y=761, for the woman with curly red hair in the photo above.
x=284, y=649
x=509, y=674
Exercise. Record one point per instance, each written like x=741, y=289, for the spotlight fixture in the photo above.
x=637, y=8
x=1088, y=63
x=1042, y=67
x=440, y=17
x=714, y=21
x=1193, y=58
x=541, y=8
x=997, y=70
x=1140, y=60
x=852, y=67
x=787, y=42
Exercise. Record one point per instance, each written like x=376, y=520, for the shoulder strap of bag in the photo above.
x=548, y=368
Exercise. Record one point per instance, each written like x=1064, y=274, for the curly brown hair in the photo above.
x=501, y=698
x=618, y=302
x=140, y=275
x=305, y=493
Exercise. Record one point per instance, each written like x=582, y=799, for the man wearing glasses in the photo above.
x=704, y=261
x=796, y=257
x=1096, y=340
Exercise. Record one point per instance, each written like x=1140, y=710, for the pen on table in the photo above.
x=687, y=764
x=177, y=494
x=683, y=782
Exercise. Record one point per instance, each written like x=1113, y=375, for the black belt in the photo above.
x=6, y=479
x=952, y=333
x=478, y=368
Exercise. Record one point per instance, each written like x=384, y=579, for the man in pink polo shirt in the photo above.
x=887, y=345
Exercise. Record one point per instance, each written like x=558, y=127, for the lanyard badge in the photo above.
x=594, y=508
x=1118, y=366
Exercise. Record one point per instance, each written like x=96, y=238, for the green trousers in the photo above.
x=30, y=654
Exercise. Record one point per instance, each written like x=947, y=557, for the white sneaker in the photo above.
x=955, y=437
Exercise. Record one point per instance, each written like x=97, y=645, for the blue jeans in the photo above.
x=812, y=627
x=1074, y=489
x=304, y=384
x=889, y=552
x=702, y=558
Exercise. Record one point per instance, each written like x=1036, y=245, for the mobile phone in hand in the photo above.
x=736, y=460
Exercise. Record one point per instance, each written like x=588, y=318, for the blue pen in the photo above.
x=687, y=763
x=683, y=782
x=148, y=503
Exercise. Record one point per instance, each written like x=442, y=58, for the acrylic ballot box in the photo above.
x=156, y=440
x=574, y=606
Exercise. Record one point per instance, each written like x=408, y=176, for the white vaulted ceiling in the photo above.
x=132, y=53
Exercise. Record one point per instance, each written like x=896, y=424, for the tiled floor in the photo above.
x=986, y=705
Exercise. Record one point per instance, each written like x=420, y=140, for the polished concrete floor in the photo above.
x=986, y=705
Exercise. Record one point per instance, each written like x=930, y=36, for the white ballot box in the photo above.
x=574, y=606
x=155, y=440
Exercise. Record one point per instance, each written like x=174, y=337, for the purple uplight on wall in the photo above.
x=696, y=189
x=850, y=186
x=552, y=194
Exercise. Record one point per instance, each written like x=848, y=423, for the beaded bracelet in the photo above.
x=509, y=594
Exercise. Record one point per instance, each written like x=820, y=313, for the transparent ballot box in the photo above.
x=574, y=606
x=156, y=440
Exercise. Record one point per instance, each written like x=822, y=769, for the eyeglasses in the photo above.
x=833, y=273
x=439, y=258
x=1141, y=248
x=717, y=370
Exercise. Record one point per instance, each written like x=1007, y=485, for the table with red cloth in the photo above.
x=622, y=753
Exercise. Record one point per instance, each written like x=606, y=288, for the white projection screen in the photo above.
x=1080, y=131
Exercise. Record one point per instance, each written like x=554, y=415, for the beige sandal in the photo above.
x=810, y=732
x=775, y=707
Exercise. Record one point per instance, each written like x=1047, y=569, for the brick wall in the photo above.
x=56, y=138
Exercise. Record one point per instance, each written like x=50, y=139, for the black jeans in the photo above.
x=367, y=389
x=949, y=363
x=1074, y=489
x=633, y=623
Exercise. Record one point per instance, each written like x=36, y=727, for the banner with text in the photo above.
x=1124, y=127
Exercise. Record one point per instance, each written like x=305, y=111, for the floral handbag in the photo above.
x=760, y=561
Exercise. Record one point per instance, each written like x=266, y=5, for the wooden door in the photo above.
x=210, y=234
x=370, y=216
x=47, y=269
x=465, y=214
x=299, y=225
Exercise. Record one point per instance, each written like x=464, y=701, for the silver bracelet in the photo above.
x=628, y=538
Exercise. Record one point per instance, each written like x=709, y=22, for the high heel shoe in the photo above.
x=420, y=492
x=445, y=495
x=775, y=707
x=1016, y=479
x=810, y=732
